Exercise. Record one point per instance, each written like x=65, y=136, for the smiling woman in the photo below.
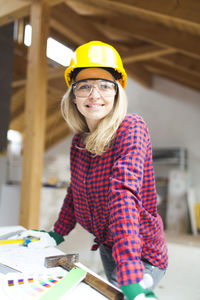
x=112, y=193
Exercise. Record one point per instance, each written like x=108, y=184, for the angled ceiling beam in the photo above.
x=78, y=26
x=68, y=32
x=12, y=10
x=154, y=31
x=185, y=12
x=57, y=135
x=57, y=73
x=17, y=123
x=86, y=9
x=146, y=52
x=138, y=73
x=15, y=9
x=17, y=103
x=172, y=73
x=181, y=62
x=158, y=34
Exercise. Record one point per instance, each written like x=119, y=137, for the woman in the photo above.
x=112, y=192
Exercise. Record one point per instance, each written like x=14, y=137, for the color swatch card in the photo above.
x=19, y=286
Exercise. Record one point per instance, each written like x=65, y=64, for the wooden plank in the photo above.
x=183, y=11
x=57, y=73
x=17, y=123
x=146, y=52
x=67, y=31
x=80, y=27
x=174, y=74
x=158, y=34
x=12, y=10
x=57, y=136
x=17, y=103
x=179, y=12
x=35, y=115
x=138, y=73
x=182, y=62
x=86, y=9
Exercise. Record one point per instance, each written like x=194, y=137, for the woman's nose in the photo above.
x=94, y=92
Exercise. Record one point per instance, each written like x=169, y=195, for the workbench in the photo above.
x=30, y=262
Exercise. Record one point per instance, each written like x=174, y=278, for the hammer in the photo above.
x=68, y=261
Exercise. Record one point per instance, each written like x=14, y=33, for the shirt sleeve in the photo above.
x=66, y=220
x=125, y=202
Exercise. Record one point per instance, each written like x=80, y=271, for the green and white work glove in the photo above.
x=41, y=239
x=136, y=292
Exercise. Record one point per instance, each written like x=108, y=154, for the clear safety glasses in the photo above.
x=84, y=88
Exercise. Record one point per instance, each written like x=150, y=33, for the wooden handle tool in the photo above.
x=102, y=287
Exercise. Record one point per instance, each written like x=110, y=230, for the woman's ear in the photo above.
x=74, y=100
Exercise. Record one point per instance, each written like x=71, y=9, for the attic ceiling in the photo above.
x=154, y=37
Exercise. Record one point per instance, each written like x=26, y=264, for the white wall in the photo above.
x=172, y=113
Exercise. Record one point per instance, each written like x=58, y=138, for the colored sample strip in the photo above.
x=70, y=280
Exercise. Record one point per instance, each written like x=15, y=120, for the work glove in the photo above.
x=41, y=239
x=137, y=292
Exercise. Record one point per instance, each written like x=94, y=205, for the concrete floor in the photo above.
x=182, y=280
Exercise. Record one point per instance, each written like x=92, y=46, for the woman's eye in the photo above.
x=105, y=86
x=83, y=87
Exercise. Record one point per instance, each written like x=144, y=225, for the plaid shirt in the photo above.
x=113, y=196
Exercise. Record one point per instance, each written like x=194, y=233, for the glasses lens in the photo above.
x=84, y=88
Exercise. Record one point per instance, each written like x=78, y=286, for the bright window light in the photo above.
x=59, y=52
x=27, y=35
x=14, y=136
x=55, y=50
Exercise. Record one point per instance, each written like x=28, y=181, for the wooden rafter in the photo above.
x=80, y=28
x=175, y=74
x=158, y=34
x=61, y=133
x=182, y=62
x=140, y=74
x=15, y=9
x=179, y=12
x=146, y=52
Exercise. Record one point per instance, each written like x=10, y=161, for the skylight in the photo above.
x=55, y=50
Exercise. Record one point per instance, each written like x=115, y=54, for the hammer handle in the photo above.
x=96, y=283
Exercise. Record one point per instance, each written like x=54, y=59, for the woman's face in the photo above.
x=100, y=101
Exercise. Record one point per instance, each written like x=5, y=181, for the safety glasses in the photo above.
x=84, y=88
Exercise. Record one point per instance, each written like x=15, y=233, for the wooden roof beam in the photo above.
x=138, y=73
x=80, y=29
x=57, y=136
x=146, y=52
x=180, y=12
x=17, y=103
x=174, y=74
x=57, y=73
x=158, y=34
x=15, y=9
x=181, y=62
x=12, y=10
x=67, y=31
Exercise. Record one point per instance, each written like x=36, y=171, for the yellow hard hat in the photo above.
x=99, y=55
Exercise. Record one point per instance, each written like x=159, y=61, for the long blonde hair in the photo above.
x=100, y=139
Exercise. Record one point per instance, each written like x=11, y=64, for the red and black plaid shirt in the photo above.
x=113, y=196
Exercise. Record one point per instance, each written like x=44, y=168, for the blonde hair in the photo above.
x=100, y=139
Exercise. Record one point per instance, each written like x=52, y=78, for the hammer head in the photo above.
x=53, y=261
